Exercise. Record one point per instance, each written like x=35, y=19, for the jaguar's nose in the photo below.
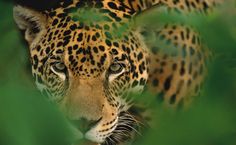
x=85, y=125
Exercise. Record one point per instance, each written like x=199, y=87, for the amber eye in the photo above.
x=59, y=69
x=116, y=68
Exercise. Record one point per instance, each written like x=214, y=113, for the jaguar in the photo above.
x=88, y=57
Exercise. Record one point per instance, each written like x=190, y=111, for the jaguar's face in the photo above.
x=86, y=71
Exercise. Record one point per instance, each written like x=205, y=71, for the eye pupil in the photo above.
x=115, y=68
x=59, y=67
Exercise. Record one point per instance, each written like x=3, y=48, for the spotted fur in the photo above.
x=87, y=58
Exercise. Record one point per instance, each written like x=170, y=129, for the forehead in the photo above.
x=89, y=50
x=89, y=46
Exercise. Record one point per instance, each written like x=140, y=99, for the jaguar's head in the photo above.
x=86, y=69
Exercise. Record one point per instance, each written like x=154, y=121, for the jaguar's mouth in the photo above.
x=127, y=128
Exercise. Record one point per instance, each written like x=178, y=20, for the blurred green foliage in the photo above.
x=27, y=118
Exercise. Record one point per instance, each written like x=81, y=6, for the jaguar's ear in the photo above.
x=30, y=21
